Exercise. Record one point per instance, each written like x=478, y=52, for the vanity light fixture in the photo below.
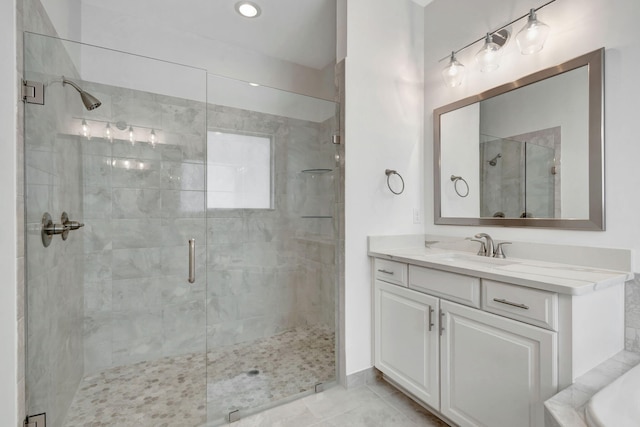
x=248, y=9
x=532, y=36
x=108, y=132
x=153, y=139
x=489, y=56
x=132, y=136
x=453, y=73
x=530, y=40
x=120, y=130
x=86, y=130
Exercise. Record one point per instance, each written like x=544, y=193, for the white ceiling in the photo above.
x=298, y=31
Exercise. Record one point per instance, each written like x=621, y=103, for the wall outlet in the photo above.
x=417, y=218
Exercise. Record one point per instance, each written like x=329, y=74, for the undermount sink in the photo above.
x=476, y=260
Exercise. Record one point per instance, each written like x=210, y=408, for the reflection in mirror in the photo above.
x=530, y=151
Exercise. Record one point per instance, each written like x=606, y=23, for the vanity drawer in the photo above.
x=390, y=271
x=528, y=305
x=451, y=286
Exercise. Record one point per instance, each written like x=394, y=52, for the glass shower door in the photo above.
x=272, y=208
x=540, y=187
x=115, y=331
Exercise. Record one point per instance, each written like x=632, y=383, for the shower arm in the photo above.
x=69, y=82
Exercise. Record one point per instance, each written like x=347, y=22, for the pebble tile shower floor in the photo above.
x=171, y=391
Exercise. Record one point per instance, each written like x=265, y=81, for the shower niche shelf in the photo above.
x=317, y=185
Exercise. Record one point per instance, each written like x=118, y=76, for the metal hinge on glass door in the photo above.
x=33, y=92
x=39, y=420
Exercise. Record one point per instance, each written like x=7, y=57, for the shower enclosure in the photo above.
x=518, y=179
x=202, y=286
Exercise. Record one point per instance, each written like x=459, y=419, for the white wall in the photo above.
x=577, y=27
x=8, y=295
x=384, y=129
x=120, y=31
x=66, y=16
x=459, y=154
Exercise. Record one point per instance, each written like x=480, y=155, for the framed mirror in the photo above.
x=529, y=153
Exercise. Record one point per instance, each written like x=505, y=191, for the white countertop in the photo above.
x=549, y=276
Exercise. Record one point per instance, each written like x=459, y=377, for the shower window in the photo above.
x=239, y=171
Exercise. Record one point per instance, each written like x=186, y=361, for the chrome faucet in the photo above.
x=489, y=244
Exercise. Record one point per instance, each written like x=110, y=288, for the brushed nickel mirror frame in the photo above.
x=596, y=221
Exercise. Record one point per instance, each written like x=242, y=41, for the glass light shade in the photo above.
x=108, y=133
x=86, y=130
x=532, y=36
x=153, y=139
x=453, y=73
x=132, y=136
x=489, y=56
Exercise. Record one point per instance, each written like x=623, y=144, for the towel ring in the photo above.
x=390, y=172
x=455, y=180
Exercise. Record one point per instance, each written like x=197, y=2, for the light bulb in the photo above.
x=489, y=56
x=532, y=36
x=153, y=139
x=108, y=133
x=453, y=74
x=86, y=130
x=132, y=136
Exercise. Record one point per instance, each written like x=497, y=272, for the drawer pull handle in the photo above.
x=513, y=304
x=386, y=271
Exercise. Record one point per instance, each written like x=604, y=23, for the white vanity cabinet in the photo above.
x=473, y=367
x=406, y=342
x=495, y=372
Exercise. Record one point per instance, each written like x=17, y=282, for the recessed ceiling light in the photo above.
x=248, y=9
x=253, y=84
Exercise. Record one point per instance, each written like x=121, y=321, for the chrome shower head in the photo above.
x=494, y=161
x=90, y=102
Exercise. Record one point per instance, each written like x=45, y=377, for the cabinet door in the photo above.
x=496, y=372
x=406, y=339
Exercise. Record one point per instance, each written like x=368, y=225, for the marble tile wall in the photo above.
x=54, y=275
x=260, y=261
x=503, y=184
x=142, y=203
x=632, y=314
x=340, y=224
x=266, y=271
x=20, y=224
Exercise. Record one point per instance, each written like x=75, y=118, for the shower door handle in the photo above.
x=192, y=260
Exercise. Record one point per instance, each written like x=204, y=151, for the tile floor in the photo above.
x=371, y=405
x=288, y=364
x=183, y=390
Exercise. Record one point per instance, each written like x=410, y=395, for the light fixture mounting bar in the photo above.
x=496, y=30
